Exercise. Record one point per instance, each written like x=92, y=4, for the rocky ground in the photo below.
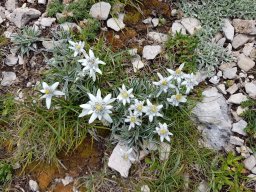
x=218, y=115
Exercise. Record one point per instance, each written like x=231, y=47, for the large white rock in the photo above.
x=151, y=51
x=11, y=60
x=100, y=10
x=191, y=24
x=245, y=63
x=33, y=185
x=236, y=141
x=8, y=78
x=178, y=28
x=239, y=127
x=237, y=98
x=230, y=73
x=214, y=120
x=47, y=21
x=228, y=30
x=239, y=40
x=157, y=37
x=10, y=5
x=245, y=26
x=250, y=162
x=21, y=16
x=118, y=163
x=115, y=24
x=250, y=88
x=248, y=48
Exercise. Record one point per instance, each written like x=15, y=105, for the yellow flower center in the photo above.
x=164, y=82
x=178, y=97
x=78, y=46
x=133, y=119
x=98, y=107
x=178, y=71
x=47, y=91
x=125, y=94
x=163, y=131
x=154, y=108
x=126, y=157
x=139, y=107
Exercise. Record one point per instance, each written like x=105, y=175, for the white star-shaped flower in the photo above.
x=153, y=110
x=91, y=65
x=164, y=83
x=49, y=92
x=98, y=107
x=138, y=107
x=177, y=74
x=127, y=155
x=125, y=95
x=175, y=100
x=133, y=119
x=190, y=82
x=163, y=132
x=78, y=48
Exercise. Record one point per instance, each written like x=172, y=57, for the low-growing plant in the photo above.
x=5, y=172
x=54, y=7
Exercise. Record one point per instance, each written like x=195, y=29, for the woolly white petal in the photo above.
x=48, y=102
x=93, y=117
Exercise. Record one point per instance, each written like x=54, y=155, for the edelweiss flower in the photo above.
x=190, y=82
x=125, y=95
x=177, y=74
x=78, y=48
x=98, y=107
x=164, y=83
x=49, y=92
x=127, y=155
x=153, y=110
x=163, y=132
x=138, y=107
x=176, y=99
x=133, y=119
x=91, y=64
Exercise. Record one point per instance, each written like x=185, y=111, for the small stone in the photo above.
x=217, y=37
x=21, y=60
x=133, y=52
x=239, y=40
x=155, y=22
x=67, y=26
x=145, y=188
x=191, y=25
x=31, y=1
x=43, y=2
x=214, y=80
x=1, y=20
x=151, y=51
x=100, y=10
x=157, y=37
x=235, y=116
x=237, y=98
x=174, y=12
x=203, y=187
x=164, y=151
x=227, y=65
x=239, y=127
x=143, y=154
x=137, y=63
x=115, y=24
x=221, y=87
x=10, y=5
x=67, y=180
x=245, y=63
x=29, y=84
x=232, y=89
x=230, y=73
x=240, y=110
x=11, y=60
x=118, y=163
x=147, y=21
x=178, y=28
x=253, y=170
x=47, y=21
x=242, y=75
x=250, y=88
x=8, y=78
x=245, y=26
x=228, y=30
x=236, y=141
x=221, y=42
x=252, y=177
x=248, y=47
x=219, y=74
x=33, y=185
x=250, y=162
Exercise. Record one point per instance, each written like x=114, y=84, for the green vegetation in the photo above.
x=182, y=49
x=250, y=115
x=55, y=7
x=5, y=172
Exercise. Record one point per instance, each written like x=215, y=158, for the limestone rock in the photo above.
x=230, y=73
x=214, y=80
x=155, y=22
x=250, y=88
x=248, y=48
x=11, y=60
x=203, y=187
x=250, y=162
x=115, y=24
x=228, y=30
x=67, y=26
x=191, y=25
x=10, y=5
x=213, y=118
x=245, y=63
x=239, y=40
x=158, y=37
x=151, y=51
x=33, y=185
x=241, y=110
x=221, y=87
x=245, y=26
x=145, y=188
x=8, y=78
x=237, y=98
x=236, y=141
x=21, y=16
x=232, y=89
x=239, y=127
x=100, y=10
x=178, y=28
x=137, y=63
x=47, y=21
